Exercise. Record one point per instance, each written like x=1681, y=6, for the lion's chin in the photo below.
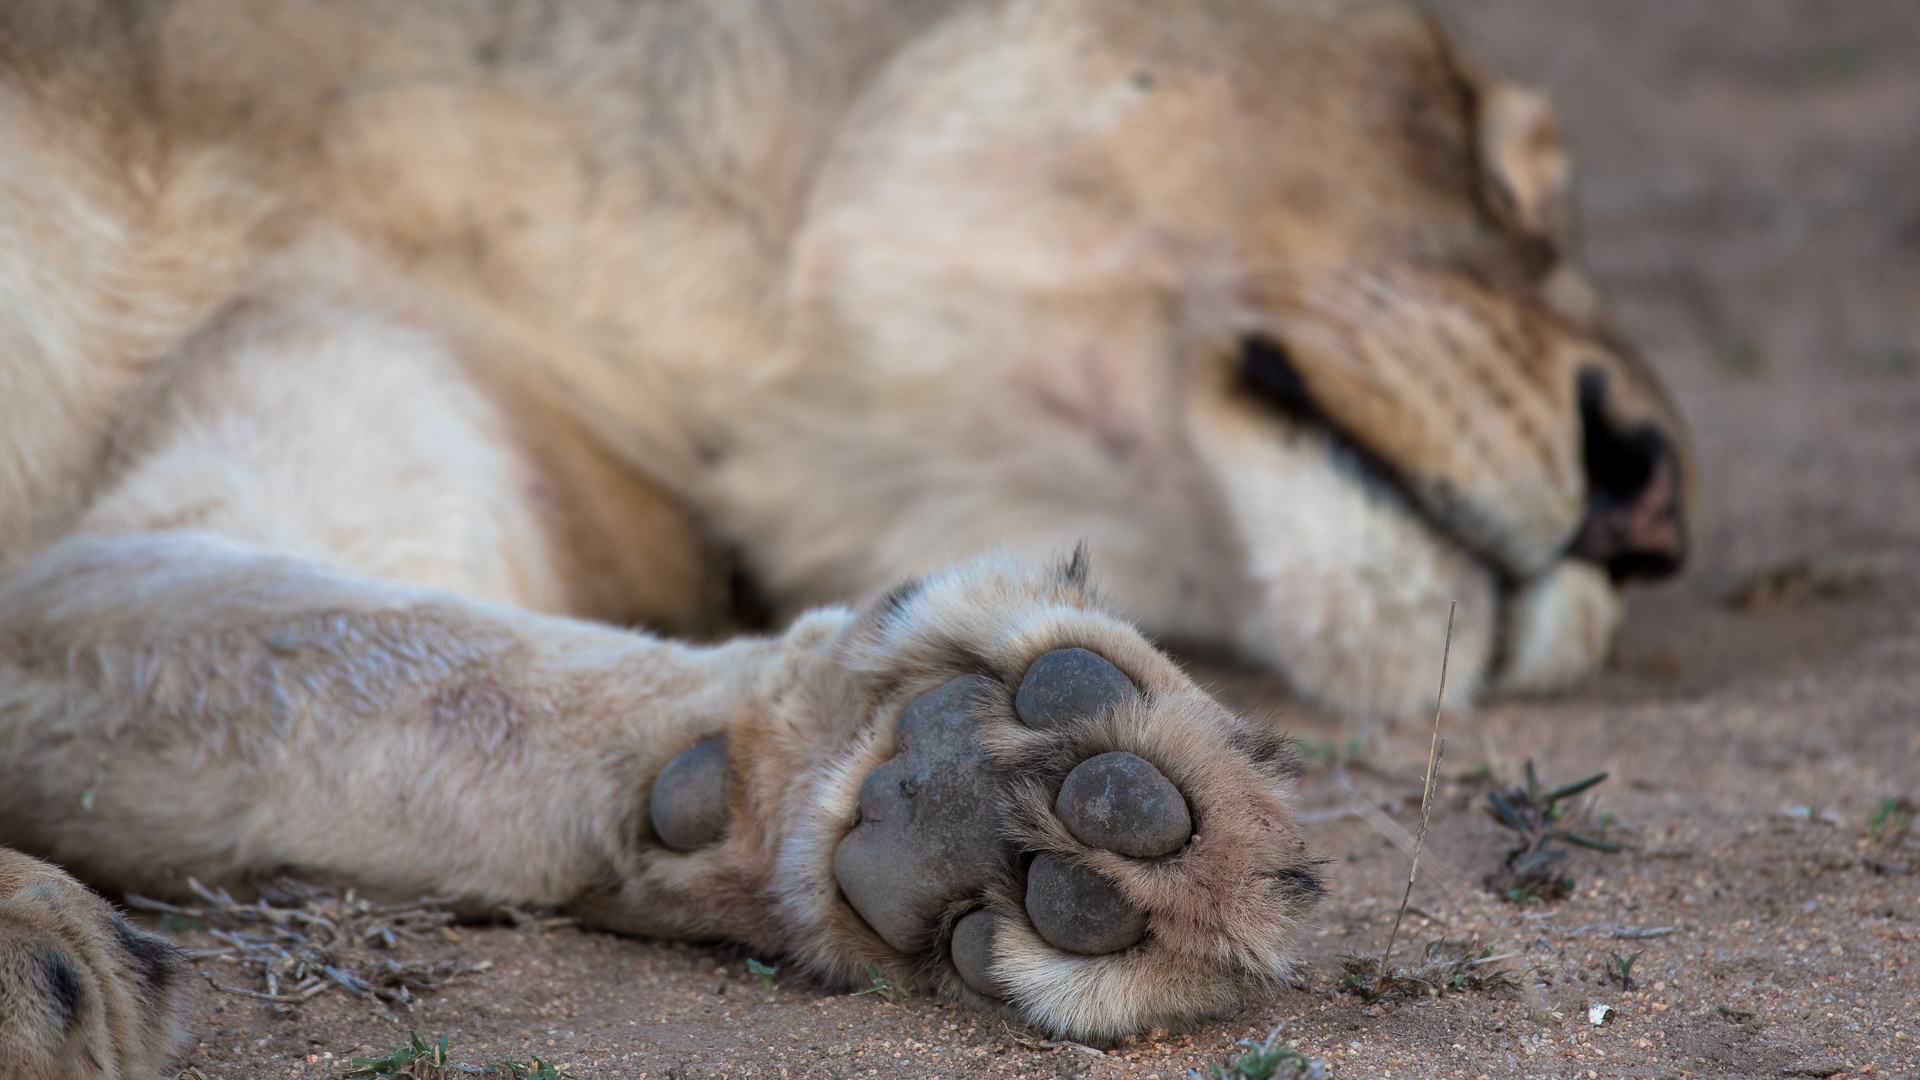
x=1557, y=630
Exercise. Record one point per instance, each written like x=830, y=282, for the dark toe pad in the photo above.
x=973, y=950
x=1121, y=803
x=1067, y=684
x=1076, y=909
x=929, y=826
x=689, y=802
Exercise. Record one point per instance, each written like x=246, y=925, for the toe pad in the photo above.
x=973, y=950
x=1076, y=909
x=1068, y=684
x=1121, y=803
x=689, y=802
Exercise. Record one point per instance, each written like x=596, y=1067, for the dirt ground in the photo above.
x=1749, y=206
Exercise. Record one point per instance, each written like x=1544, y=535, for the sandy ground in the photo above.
x=1748, y=204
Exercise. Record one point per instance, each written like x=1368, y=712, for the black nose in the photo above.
x=1634, y=524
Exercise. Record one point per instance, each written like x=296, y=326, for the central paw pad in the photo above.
x=929, y=821
x=932, y=841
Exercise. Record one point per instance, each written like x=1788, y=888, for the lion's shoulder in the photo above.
x=82, y=992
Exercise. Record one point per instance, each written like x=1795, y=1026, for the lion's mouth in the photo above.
x=1267, y=373
x=1634, y=524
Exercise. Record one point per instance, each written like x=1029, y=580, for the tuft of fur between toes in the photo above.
x=82, y=993
x=1225, y=911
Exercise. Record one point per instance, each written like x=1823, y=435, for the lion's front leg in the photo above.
x=982, y=783
x=178, y=705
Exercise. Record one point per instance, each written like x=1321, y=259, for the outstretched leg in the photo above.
x=982, y=782
x=179, y=704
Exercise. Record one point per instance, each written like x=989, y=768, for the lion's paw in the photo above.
x=930, y=820
x=1080, y=836
x=81, y=992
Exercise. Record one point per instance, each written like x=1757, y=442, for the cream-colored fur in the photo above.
x=359, y=362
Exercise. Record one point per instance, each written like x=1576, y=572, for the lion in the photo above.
x=400, y=405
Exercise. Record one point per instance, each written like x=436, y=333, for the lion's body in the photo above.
x=343, y=347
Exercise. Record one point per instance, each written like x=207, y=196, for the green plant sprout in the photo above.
x=1436, y=975
x=424, y=1060
x=1891, y=823
x=1528, y=875
x=1269, y=1060
x=765, y=974
x=1622, y=968
x=880, y=985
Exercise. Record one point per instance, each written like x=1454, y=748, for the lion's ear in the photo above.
x=1524, y=163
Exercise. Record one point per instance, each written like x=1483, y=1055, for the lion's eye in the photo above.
x=1268, y=372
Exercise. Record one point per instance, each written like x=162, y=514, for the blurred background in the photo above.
x=1747, y=184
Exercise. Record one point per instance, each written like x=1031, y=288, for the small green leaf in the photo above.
x=1539, y=861
x=1505, y=812
x=881, y=986
x=765, y=973
x=1574, y=788
x=1269, y=1060
x=1583, y=841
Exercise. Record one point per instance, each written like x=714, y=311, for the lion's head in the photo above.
x=1266, y=301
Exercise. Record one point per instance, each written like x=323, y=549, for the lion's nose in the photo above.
x=1634, y=525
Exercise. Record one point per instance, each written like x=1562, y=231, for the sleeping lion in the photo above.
x=369, y=371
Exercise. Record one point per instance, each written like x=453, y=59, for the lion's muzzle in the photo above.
x=1635, y=524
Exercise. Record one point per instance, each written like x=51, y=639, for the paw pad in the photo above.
x=973, y=938
x=1121, y=803
x=929, y=826
x=1032, y=834
x=1068, y=684
x=689, y=801
x=928, y=835
x=1076, y=909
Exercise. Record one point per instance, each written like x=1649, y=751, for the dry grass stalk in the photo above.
x=1434, y=749
x=1437, y=975
x=301, y=939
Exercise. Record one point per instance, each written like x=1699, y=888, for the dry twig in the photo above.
x=1435, y=748
x=300, y=939
x=1483, y=970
